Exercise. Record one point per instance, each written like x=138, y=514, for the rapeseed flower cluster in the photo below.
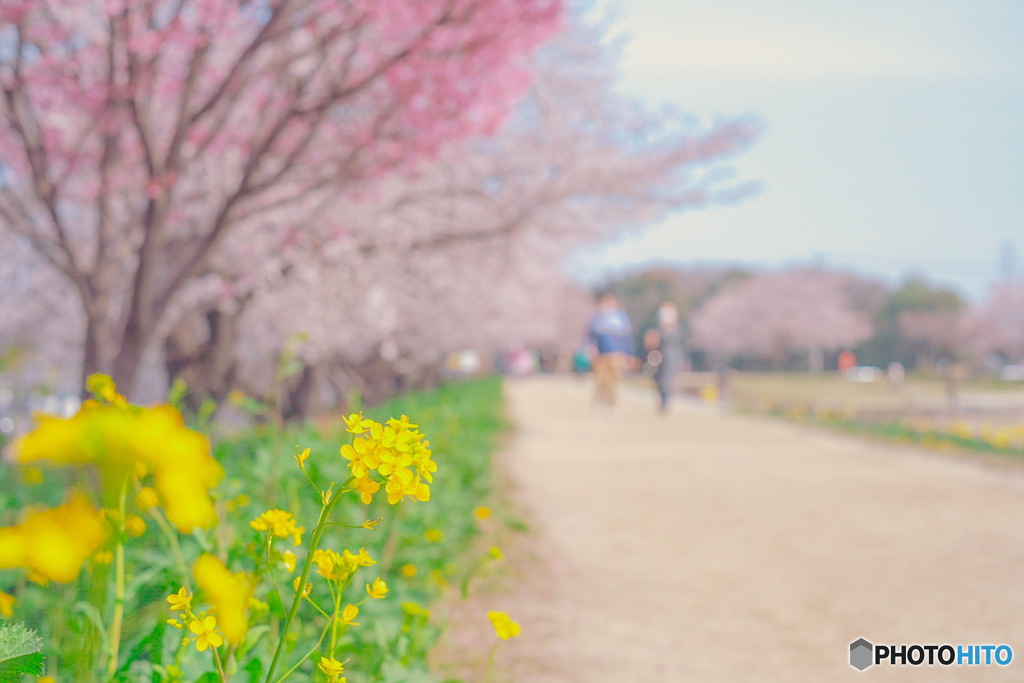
x=335, y=567
x=280, y=524
x=396, y=452
x=122, y=440
x=504, y=627
x=333, y=669
x=54, y=543
x=202, y=627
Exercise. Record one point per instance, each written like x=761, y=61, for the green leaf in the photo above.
x=251, y=638
x=20, y=652
x=93, y=615
x=255, y=670
x=11, y=670
x=17, y=641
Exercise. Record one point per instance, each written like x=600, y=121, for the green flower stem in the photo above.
x=220, y=667
x=490, y=663
x=334, y=622
x=119, y=584
x=317, y=607
x=172, y=540
x=270, y=569
x=314, y=543
x=316, y=647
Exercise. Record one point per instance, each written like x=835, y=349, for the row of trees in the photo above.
x=336, y=192
x=789, y=318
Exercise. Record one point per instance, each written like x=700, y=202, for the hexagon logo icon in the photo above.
x=861, y=654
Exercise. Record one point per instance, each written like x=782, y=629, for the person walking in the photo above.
x=665, y=352
x=610, y=340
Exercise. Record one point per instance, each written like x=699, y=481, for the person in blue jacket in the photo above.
x=610, y=339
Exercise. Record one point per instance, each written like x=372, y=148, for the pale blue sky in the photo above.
x=894, y=132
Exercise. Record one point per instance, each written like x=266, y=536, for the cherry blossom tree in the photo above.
x=775, y=314
x=996, y=326
x=139, y=137
x=468, y=251
x=934, y=335
x=37, y=324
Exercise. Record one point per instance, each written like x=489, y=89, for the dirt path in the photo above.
x=707, y=546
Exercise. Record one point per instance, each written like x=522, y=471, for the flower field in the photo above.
x=986, y=416
x=138, y=551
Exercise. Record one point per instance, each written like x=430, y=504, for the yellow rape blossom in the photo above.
x=403, y=484
x=426, y=467
x=482, y=512
x=103, y=557
x=135, y=525
x=206, y=634
x=122, y=440
x=333, y=668
x=392, y=461
x=357, y=424
x=397, y=451
x=300, y=457
x=503, y=625
x=229, y=592
x=349, y=614
x=364, y=457
x=6, y=605
x=180, y=601
x=306, y=590
x=329, y=564
x=103, y=388
x=409, y=570
x=280, y=523
x=354, y=561
x=289, y=561
x=54, y=543
x=146, y=499
x=378, y=590
x=366, y=487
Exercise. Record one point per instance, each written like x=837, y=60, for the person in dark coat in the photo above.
x=665, y=352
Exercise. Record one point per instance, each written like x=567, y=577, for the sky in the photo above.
x=893, y=138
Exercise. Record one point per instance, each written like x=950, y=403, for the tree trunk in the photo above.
x=301, y=397
x=125, y=365
x=91, y=358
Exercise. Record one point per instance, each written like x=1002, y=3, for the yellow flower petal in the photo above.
x=503, y=625
x=6, y=605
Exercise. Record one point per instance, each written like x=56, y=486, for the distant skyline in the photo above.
x=893, y=141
